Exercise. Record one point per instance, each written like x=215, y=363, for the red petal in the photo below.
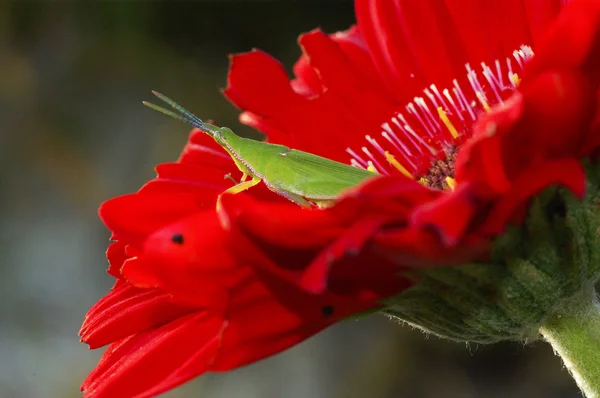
x=559, y=107
x=133, y=217
x=540, y=14
x=197, y=266
x=136, y=271
x=565, y=172
x=259, y=83
x=127, y=310
x=385, y=38
x=156, y=360
x=362, y=106
x=433, y=40
x=307, y=81
x=573, y=40
x=116, y=257
x=201, y=149
x=205, y=183
x=314, y=277
x=448, y=216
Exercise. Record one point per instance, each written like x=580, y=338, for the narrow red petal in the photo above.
x=127, y=310
x=156, y=360
x=391, y=52
x=540, y=14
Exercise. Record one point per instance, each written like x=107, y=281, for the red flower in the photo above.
x=183, y=304
x=199, y=290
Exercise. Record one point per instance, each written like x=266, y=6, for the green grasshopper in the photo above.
x=301, y=177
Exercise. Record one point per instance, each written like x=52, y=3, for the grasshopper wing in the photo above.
x=315, y=177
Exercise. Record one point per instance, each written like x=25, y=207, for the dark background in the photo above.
x=73, y=133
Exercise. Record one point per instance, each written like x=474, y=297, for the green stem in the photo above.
x=575, y=337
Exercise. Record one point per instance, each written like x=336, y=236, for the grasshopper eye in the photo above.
x=327, y=310
x=177, y=239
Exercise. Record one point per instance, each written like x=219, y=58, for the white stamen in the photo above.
x=412, y=110
x=413, y=142
x=354, y=163
x=406, y=134
x=433, y=123
x=414, y=134
x=493, y=82
x=439, y=96
x=375, y=144
x=373, y=160
x=458, y=92
x=456, y=111
x=356, y=156
x=399, y=146
x=372, y=166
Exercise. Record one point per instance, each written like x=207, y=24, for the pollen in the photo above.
x=451, y=182
x=515, y=79
x=483, y=101
x=444, y=116
x=390, y=158
x=441, y=173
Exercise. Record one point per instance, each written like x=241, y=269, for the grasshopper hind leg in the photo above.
x=245, y=185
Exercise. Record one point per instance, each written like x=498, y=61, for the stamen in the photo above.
x=464, y=103
x=456, y=111
x=372, y=168
x=433, y=123
x=416, y=141
x=375, y=144
x=515, y=79
x=357, y=158
x=422, y=145
x=414, y=134
x=451, y=183
x=483, y=102
x=492, y=80
x=354, y=163
x=399, y=146
x=447, y=123
x=373, y=161
x=390, y=158
x=412, y=110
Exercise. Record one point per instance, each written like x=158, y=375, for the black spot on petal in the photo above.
x=327, y=310
x=178, y=239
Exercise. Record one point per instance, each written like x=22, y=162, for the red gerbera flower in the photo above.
x=199, y=290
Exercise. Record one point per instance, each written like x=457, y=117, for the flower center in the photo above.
x=441, y=174
x=422, y=140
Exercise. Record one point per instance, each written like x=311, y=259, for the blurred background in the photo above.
x=73, y=133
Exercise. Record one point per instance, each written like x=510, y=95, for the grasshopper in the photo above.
x=301, y=177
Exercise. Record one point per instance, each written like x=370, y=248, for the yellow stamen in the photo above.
x=447, y=122
x=516, y=79
x=371, y=168
x=484, y=103
x=390, y=158
x=451, y=182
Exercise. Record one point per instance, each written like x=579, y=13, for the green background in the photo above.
x=73, y=133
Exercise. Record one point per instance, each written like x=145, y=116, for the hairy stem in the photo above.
x=575, y=337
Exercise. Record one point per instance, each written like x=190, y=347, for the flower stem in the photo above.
x=575, y=337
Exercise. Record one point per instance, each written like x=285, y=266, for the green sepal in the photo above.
x=536, y=270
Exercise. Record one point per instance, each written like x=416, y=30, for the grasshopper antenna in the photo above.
x=182, y=114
